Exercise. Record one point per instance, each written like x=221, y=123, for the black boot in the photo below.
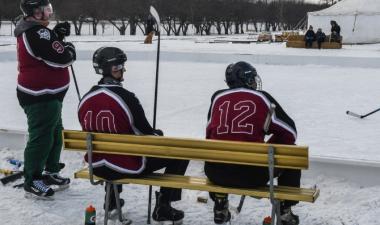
x=288, y=218
x=164, y=212
x=221, y=212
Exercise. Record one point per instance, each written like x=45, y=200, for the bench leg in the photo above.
x=108, y=193
x=276, y=214
x=119, y=211
x=149, y=204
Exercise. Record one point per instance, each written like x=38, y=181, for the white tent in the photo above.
x=358, y=20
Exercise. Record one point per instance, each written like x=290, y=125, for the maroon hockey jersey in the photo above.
x=43, y=62
x=239, y=115
x=109, y=108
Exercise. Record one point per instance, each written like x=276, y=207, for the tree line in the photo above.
x=222, y=16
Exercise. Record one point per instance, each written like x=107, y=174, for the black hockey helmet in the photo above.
x=106, y=57
x=28, y=6
x=242, y=74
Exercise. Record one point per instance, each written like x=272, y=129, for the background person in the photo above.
x=43, y=80
x=239, y=114
x=149, y=29
x=109, y=108
x=320, y=37
x=335, y=31
x=309, y=37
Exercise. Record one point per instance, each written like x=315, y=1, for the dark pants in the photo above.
x=335, y=37
x=319, y=44
x=309, y=43
x=44, y=145
x=241, y=176
x=172, y=166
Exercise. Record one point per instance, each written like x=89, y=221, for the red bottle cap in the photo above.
x=90, y=208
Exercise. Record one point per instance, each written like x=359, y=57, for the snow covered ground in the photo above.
x=315, y=87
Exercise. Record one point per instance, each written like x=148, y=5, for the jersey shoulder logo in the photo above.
x=44, y=34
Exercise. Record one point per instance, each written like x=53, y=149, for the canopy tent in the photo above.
x=356, y=18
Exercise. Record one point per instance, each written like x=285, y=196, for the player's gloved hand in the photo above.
x=71, y=48
x=158, y=132
x=62, y=30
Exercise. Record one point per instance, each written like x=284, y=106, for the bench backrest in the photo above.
x=232, y=152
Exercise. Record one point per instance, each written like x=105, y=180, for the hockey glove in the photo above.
x=71, y=48
x=62, y=30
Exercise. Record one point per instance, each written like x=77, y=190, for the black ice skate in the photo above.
x=288, y=218
x=221, y=213
x=55, y=181
x=38, y=190
x=163, y=212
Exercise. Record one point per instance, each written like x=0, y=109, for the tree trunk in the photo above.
x=122, y=28
x=237, y=28
x=77, y=26
x=185, y=28
x=133, y=26
x=218, y=26
x=94, y=26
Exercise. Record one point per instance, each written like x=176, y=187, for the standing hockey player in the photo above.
x=43, y=80
x=239, y=114
x=109, y=108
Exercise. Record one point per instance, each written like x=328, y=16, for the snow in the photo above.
x=315, y=87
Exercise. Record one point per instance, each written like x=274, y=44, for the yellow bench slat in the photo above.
x=189, y=143
x=211, y=155
x=209, y=150
x=202, y=184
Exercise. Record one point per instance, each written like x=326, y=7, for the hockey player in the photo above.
x=109, y=108
x=239, y=114
x=43, y=79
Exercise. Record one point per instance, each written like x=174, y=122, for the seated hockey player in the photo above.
x=240, y=114
x=110, y=108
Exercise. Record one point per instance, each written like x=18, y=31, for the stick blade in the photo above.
x=155, y=15
x=354, y=114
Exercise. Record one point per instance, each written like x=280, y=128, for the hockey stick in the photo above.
x=267, y=123
x=75, y=81
x=156, y=17
x=14, y=176
x=362, y=116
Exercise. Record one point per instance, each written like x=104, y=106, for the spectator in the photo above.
x=149, y=30
x=309, y=37
x=335, y=31
x=320, y=37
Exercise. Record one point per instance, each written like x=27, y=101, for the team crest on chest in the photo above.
x=44, y=34
x=58, y=47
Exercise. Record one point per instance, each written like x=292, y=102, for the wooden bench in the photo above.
x=297, y=41
x=244, y=153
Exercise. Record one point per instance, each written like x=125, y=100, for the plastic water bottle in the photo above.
x=267, y=220
x=90, y=216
